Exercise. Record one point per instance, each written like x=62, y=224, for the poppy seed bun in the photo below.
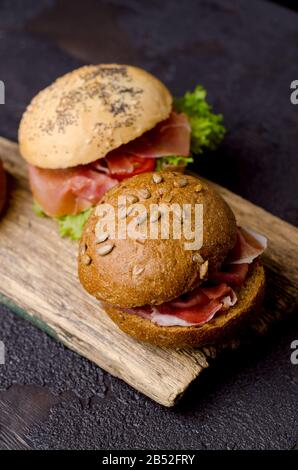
x=153, y=271
x=222, y=328
x=88, y=112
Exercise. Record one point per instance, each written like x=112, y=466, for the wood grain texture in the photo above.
x=38, y=279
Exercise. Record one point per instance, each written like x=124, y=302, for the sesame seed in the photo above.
x=198, y=188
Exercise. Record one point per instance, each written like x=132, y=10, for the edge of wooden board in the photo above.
x=194, y=362
x=171, y=400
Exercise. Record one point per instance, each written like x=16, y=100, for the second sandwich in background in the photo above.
x=100, y=124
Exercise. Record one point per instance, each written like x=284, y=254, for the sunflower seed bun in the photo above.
x=89, y=112
x=221, y=328
x=135, y=272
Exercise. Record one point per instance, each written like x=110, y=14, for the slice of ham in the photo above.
x=232, y=274
x=170, y=137
x=120, y=163
x=196, y=308
x=70, y=191
x=249, y=246
x=226, y=294
x=192, y=317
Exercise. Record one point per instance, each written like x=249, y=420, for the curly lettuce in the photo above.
x=72, y=225
x=207, y=129
x=174, y=160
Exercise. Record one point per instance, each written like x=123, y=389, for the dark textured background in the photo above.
x=245, y=54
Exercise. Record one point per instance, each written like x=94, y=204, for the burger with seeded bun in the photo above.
x=101, y=124
x=162, y=289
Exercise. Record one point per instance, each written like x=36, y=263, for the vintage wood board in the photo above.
x=38, y=280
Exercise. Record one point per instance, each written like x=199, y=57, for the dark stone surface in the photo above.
x=245, y=53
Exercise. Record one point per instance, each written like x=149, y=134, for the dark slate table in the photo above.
x=245, y=53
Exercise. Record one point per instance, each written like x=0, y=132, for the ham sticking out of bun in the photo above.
x=219, y=293
x=157, y=287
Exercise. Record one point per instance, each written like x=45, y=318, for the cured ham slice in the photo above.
x=70, y=191
x=249, y=245
x=232, y=274
x=195, y=308
x=226, y=294
x=120, y=164
x=170, y=137
x=187, y=317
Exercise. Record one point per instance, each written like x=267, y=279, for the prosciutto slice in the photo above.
x=170, y=137
x=195, y=308
x=119, y=163
x=70, y=191
x=232, y=274
x=249, y=245
x=202, y=304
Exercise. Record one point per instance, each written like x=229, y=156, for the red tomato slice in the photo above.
x=141, y=165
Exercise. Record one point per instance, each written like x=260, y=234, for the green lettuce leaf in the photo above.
x=37, y=209
x=72, y=225
x=69, y=225
x=207, y=129
x=172, y=160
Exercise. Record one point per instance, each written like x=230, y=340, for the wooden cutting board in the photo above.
x=38, y=280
